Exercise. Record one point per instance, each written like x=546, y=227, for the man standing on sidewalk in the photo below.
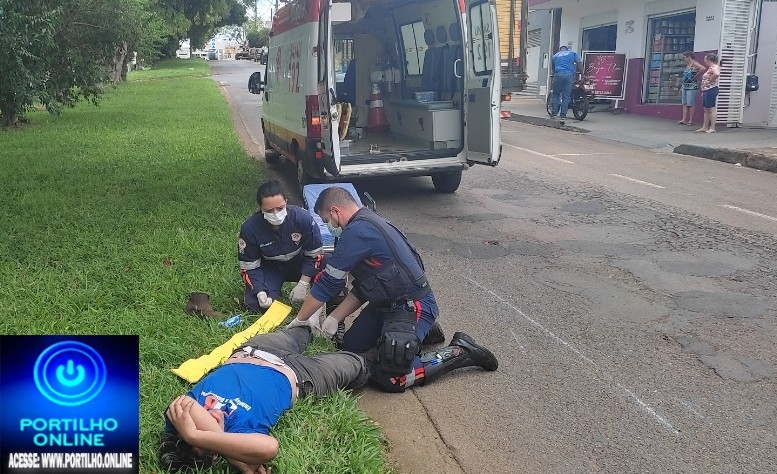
x=565, y=63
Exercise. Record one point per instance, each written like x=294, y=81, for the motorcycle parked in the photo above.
x=580, y=102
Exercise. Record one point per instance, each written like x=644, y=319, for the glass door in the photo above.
x=668, y=37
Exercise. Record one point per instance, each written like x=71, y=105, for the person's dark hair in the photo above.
x=333, y=196
x=269, y=189
x=175, y=455
x=688, y=54
x=712, y=57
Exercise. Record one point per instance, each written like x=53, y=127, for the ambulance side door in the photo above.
x=327, y=98
x=482, y=84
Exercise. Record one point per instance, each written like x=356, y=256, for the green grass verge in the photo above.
x=113, y=214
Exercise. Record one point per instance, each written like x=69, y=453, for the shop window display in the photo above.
x=668, y=37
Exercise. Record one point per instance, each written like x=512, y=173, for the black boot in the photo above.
x=434, y=336
x=462, y=352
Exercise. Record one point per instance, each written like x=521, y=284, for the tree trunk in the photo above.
x=10, y=114
x=118, y=72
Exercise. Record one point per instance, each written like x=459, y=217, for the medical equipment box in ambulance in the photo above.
x=352, y=71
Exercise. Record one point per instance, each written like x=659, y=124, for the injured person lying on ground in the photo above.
x=231, y=411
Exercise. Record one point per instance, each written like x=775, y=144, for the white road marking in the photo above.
x=582, y=154
x=539, y=154
x=517, y=340
x=644, y=406
x=751, y=213
x=637, y=181
x=692, y=410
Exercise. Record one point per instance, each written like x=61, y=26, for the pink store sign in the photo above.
x=607, y=72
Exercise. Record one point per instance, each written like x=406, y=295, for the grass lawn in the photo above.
x=113, y=214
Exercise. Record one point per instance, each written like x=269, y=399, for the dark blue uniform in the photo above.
x=268, y=257
x=363, y=251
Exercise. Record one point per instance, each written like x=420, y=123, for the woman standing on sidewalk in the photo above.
x=709, y=93
x=690, y=87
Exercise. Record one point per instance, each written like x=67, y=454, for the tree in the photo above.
x=27, y=31
x=257, y=37
x=57, y=52
x=204, y=17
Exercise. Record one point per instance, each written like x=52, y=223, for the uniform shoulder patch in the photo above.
x=296, y=237
x=241, y=245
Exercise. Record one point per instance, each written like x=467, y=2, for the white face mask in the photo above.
x=275, y=218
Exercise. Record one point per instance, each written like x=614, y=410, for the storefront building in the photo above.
x=653, y=35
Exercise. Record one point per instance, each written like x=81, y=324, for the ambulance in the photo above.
x=379, y=88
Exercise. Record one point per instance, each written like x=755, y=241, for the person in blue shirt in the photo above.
x=231, y=411
x=279, y=243
x=388, y=274
x=565, y=64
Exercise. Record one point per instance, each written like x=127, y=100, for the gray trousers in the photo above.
x=317, y=375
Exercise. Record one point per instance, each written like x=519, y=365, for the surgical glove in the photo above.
x=300, y=291
x=312, y=323
x=264, y=300
x=329, y=326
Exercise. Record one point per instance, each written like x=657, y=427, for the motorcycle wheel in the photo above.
x=580, y=107
x=548, y=103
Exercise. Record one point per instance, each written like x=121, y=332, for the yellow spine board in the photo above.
x=194, y=369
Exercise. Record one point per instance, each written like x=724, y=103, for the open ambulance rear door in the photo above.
x=327, y=98
x=482, y=84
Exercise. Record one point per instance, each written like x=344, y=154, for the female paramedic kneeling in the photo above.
x=279, y=243
x=389, y=274
x=231, y=410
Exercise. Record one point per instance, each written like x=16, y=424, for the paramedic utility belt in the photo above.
x=398, y=344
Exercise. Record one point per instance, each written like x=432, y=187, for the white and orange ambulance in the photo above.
x=382, y=88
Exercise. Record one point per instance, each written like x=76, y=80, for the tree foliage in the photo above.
x=57, y=52
x=257, y=37
x=203, y=17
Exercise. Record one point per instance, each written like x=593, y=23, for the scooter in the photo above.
x=580, y=101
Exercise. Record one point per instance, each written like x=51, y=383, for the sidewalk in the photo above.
x=752, y=147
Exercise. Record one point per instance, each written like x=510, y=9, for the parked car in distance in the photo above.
x=242, y=54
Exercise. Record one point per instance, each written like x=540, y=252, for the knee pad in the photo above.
x=388, y=384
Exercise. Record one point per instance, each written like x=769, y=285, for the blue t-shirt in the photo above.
x=564, y=61
x=252, y=397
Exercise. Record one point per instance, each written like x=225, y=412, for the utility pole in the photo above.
x=256, y=15
x=511, y=43
x=524, y=40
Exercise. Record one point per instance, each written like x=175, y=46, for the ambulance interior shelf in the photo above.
x=414, y=124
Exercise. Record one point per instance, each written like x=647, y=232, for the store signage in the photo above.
x=607, y=72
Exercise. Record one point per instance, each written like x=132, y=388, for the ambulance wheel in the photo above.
x=447, y=182
x=270, y=155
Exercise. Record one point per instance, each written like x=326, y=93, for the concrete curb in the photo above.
x=544, y=122
x=750, y=159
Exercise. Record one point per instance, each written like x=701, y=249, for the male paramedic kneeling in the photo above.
x=279, y=243
x=389, y=275
x=231, y=410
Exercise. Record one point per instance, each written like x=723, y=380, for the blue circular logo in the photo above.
x=70, y=373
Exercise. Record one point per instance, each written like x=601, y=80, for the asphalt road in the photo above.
x=629, y=296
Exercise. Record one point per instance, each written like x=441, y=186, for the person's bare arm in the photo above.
x=309, y=307
x=350, y=304
x=249, y=448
